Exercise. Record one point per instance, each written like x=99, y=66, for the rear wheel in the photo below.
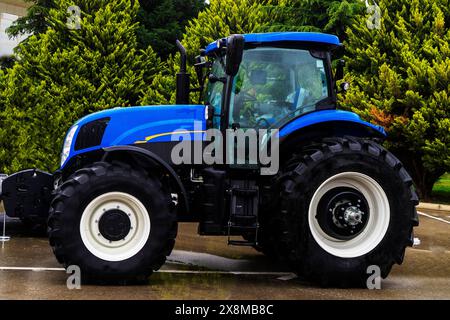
x=114, y=222
x=344, y=205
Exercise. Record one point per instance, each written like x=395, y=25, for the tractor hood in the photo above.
x=125, y=126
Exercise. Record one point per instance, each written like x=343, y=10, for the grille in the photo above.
x=91, y=134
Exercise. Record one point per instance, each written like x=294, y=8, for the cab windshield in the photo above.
x=273, y=86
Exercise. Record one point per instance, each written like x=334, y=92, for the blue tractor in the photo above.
x=336, y=204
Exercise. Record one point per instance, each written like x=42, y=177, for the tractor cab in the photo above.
x=267, y=80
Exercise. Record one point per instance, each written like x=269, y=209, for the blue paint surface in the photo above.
x=326, y=116
x=274, y=37
x=132, y=124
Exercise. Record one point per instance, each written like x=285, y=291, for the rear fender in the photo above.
x=338, y=121
x=322, y=124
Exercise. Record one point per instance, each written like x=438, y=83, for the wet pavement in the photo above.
x=206, y=268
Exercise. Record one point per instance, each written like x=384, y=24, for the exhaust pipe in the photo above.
x=183, y=78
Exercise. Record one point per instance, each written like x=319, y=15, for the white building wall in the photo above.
x=10, y=10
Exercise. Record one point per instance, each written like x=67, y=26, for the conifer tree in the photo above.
x=161, y=22
x=400, y=78
x=66, y=73
x=330, y=16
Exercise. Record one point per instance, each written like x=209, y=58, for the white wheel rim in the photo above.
x=377, y=224
x=115, y=250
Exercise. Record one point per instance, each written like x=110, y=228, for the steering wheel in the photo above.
x=260, y=121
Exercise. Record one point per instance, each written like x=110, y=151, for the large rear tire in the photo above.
x=344, y=204
x=113, y=221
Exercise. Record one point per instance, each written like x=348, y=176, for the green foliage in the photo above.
x=35, y=19
x=220, y=19
x=163, y=21
x=7, y=61
x=329, y=16
x=400, y=76
x=64, y=74
x=441, y=189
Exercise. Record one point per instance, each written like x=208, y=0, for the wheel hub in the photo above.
x=353, y=216
x=343, y=213
x=114, y=225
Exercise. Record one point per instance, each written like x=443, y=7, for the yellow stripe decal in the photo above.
x=147, y=139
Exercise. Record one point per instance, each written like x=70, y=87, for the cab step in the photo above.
x=243, y=212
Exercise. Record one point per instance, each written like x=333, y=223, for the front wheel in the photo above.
x=346, y=207
x=114, y=222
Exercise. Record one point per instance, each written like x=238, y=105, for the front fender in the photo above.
x=150, y=156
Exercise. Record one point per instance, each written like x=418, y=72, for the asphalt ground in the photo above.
x=206, y=268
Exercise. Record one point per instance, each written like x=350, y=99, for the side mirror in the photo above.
x=200, y=62
x=339, y=70
x=235, y=50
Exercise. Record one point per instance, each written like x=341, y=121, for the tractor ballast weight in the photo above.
x=338, y=203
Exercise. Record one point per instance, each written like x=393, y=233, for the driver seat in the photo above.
x=300, y=97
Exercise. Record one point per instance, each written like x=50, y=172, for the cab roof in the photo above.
x=328, y=40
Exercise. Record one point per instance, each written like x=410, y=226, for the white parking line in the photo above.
x=30, y=269
x=245, y=273
x=279, y=274
x=433, y=217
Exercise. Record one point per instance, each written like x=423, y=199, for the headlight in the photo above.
x=68, y=144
